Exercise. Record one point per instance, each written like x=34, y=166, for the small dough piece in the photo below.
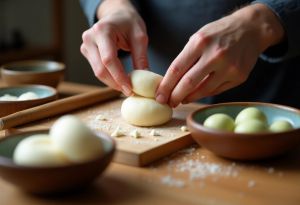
x=154, y=133
x=184, y=128
x=38, y=150
x=8, y=97
x=146, y=112
x=220, y=121
x=117, y=133
x=75, y=139
x=135, y=134
x=28, y=96
x=145, y=83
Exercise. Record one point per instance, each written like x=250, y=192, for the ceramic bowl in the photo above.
x=245, y=146
x=45, y=93
x=33, y=72
x=51, y=180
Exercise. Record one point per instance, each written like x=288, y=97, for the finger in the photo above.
x=106, y=42
x=207, y=87
x=139, y=45
x=198, y=74
x=182, y=63
x=91, y=54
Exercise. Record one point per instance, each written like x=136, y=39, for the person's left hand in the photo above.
x=220, y=55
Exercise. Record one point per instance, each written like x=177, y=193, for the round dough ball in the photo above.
x=8, y=97
x=145, y=83
x=75, y=139
x=38, y=150
x=280, y=126
x=28, y=96
x=142, y=111
x=251, y=126
x=219, y=121
x=250, y=113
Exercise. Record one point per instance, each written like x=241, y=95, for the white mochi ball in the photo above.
x=142, y=111
x=145, y=83
x=28, y=96
x=75, y=139
x=8, y=97
x=38, y=150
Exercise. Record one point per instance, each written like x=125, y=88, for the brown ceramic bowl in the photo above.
x=33, y=72
x=245, y=146
x=51, y=180
x=45, y=94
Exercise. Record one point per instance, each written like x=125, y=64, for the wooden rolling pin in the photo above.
x=57, y=107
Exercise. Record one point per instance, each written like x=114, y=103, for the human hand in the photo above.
x=220, y=55
x=119, y=27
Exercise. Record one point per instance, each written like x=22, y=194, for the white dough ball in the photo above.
x=75, y=139
x=28, y=96
x=281, y=126
x=38, y=150
x=250, y=113
x=8, y=97
x=145, y=83
x=220, y=121
x=251, y=126
x=142, y=111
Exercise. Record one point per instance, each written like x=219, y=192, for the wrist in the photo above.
x=111, y=6
x=268, y=25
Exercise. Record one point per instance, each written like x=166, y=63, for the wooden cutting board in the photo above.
x=139, y=151
x=132, y=151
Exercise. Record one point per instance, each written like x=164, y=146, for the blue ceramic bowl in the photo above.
x=246, y=146
x=45, y=94
x=40, y=72
x=51, y=180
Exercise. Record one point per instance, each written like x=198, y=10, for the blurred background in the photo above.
x=47, y=29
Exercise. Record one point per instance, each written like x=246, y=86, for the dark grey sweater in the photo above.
x=170, y=23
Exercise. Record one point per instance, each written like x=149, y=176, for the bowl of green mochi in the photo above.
x=246, y=130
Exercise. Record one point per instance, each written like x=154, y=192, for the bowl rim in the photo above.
x=233, y=135
x=6, y=68
x=52, y=92
x=8, y=162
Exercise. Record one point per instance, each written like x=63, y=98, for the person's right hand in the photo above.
x=119, y=27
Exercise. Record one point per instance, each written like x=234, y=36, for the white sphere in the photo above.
x=219, y=121
x=142, y=111
x=250, y=113
x=38, y=150
x=75, y=139
x=145, y=83
x=251, y=126
x=8, y=97
x=280, y=126
x=28, y=96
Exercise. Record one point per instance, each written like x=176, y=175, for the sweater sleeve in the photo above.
x=288, y=12
x=90, y=9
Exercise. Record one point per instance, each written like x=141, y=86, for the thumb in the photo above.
x=139, y=46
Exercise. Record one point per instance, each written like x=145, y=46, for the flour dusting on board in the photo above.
x=111, y=122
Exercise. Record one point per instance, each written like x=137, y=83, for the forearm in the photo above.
x=267, y=25
x=288, y=11
x=111, y=6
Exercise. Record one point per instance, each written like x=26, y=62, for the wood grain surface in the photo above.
x=191, y=176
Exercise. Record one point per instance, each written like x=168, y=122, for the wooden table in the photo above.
x=190, y=176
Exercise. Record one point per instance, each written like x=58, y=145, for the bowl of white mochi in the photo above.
x=64, y=158
x=16, y=98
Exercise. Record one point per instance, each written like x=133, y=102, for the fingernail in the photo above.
x=161, y=99
x=126, y=90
